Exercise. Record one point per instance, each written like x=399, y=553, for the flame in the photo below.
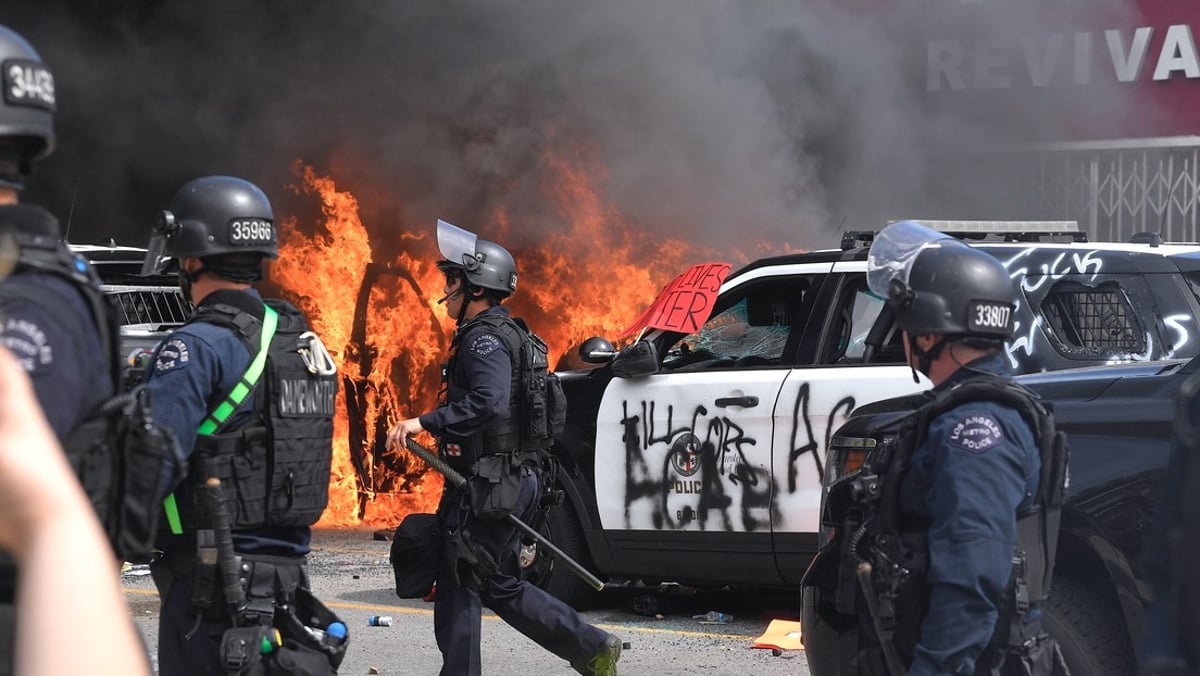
x=589, y=277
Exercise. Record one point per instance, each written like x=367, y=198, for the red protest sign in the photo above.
x=684, y=304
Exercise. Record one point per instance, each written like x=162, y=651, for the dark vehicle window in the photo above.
x=149, y=306
x=750, y=327
x=1090, y=321
x=1193, y=282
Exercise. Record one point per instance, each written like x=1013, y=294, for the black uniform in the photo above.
x=476, y=424
x=48, y=325
x=272, y=455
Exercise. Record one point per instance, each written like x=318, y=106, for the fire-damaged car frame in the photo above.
x=702, y=462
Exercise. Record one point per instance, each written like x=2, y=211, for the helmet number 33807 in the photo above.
x=992, y=316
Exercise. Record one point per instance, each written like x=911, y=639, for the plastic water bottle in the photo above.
x=714, y=617
x=380, y=620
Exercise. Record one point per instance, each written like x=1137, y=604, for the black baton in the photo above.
x=458, y=481
x=227, y=562
x=894, y=666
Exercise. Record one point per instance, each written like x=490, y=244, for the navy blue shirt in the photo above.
x=479, y=384
x=190, y=373
x=66, y=363
x=977, y=467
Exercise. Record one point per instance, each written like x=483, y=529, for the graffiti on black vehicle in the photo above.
x=1087, y=312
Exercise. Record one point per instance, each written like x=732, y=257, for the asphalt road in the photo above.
x=351, y=574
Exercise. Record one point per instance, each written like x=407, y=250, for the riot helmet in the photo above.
x=27, y=107
x=938, y=284
x=212, y=216
x=483, y=264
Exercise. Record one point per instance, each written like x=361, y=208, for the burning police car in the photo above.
x=698, y=457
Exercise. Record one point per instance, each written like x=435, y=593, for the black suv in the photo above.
x=704, y=463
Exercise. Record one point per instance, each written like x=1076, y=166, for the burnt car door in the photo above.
x=685, y=480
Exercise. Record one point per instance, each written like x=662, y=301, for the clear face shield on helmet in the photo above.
x=457, y=245
x=893, y=252
x=157, y=260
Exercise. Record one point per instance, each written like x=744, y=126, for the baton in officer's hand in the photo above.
x=458, y=481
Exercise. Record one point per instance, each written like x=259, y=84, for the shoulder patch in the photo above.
x=484, y=344
x=173, y=355
x=29, y=344
x=976, y=433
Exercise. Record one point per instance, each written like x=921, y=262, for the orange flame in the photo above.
x=590, y=277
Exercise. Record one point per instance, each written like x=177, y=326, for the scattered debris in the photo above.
x=714, y=617
x=650, y=605
x=781, y=635
x=134, y=569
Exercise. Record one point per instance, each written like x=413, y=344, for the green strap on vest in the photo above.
x=232, y=401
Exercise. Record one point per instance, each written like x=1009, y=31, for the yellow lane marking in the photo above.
x=486, y=616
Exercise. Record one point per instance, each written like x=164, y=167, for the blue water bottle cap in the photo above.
x=336, y=630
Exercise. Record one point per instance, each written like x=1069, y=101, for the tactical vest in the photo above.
x=536, y=406
x=889, y=538
x=274, y=465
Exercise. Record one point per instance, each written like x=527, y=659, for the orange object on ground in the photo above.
x=781, y=635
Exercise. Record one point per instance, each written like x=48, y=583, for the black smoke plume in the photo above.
x=714, y=121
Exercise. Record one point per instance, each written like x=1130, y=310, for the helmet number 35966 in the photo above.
x=250, y=231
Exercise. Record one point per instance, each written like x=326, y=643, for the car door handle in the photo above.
x=744, y=402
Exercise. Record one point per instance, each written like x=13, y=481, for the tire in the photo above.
x=564, y=530
x=1089, y=629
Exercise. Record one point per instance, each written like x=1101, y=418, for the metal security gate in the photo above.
x=1114, y=189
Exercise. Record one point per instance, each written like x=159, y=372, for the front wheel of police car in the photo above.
x=563, y=528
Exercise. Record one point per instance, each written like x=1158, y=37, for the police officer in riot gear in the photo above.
x=1171, y=637
x=54, y=318
x=955, y=549
x=476, y=425
x=248, y=391
x=56, y=337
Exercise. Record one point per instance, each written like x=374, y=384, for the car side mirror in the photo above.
x=636, y=360
x=596, y=350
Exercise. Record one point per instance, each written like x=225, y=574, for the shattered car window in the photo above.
x=730, y=336
x=1092, y=320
